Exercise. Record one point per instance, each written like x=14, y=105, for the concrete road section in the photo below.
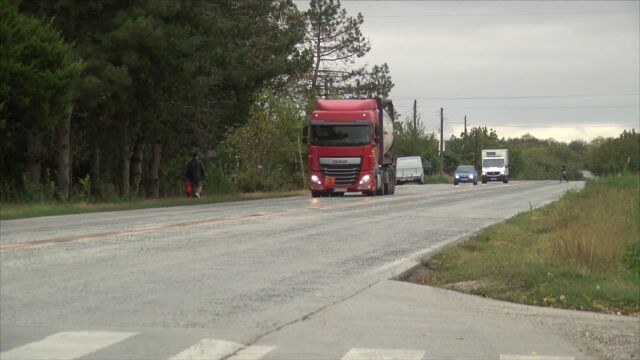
x=218, y=281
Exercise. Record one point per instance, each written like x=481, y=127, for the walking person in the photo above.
x=564, y=174
x=195, y=174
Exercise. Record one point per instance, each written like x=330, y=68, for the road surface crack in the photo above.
x=299, y=320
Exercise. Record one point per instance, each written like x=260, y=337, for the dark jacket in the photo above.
x=195, y=171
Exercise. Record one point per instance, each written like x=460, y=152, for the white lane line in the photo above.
x=383, y=354
x=252, y=353
x=214, y=349
x=535, y=357
x=66, y=345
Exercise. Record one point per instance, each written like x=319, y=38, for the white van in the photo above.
x=495, y=165
x=409, y=169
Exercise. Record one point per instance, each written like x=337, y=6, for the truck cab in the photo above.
x=350, y=148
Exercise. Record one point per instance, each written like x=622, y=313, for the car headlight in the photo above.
x=457, y=176
x=471, y=176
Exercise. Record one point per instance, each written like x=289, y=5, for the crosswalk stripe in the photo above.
x=535, y=357
x=66, y=345
x=214, y=349
x=383, y=354
x=208, y=349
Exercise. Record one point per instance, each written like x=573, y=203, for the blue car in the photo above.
x=465, y=174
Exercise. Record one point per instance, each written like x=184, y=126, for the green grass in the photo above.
x=580, y=252
x=28, y=210
x=437, y=180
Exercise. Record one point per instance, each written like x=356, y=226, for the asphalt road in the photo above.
x=202, y=281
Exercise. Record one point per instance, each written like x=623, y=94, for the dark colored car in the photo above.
x=465, y=174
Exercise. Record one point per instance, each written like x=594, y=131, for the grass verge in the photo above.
x=581, y=252
x=438, y=179
x=18, y=211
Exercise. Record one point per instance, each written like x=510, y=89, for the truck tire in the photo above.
x=315, y=194
x=392, y=186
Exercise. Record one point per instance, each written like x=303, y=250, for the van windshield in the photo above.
x=404, y=163
x=493, y=163
x=340, y=135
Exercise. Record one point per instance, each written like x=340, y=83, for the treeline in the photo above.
x=530, y=158
x=107, y=99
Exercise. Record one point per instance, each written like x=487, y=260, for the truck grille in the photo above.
x=344, y=174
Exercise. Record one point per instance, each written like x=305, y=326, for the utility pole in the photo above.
x=441, y=141
x=465, y=125
x=475, y=148
x=415, y=115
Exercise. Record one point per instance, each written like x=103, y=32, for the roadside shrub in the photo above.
x=437, y=180
x=631, y=257
x=219, y=179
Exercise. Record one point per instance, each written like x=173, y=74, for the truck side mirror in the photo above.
x=305, y=134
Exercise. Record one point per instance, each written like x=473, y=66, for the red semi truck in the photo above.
x=351, y=147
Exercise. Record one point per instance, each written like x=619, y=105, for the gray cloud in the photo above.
x=511, y=49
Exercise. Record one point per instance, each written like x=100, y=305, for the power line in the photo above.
x=516, y=97
x=529, y=107
x=506, y=14
x=550, y=126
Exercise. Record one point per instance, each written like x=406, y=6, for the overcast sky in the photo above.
x=566, y=70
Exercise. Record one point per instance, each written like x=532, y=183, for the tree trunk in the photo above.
x=316, y=68
x=95, y=171
x=124, y=161
x=34, y=157
x=136, y=167
x=63, y=176
x=154, y=173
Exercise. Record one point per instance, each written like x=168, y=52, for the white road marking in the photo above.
x=208, y=349
x=214, y=349
x=66, y=345
x=535, y=357
x=383, y=354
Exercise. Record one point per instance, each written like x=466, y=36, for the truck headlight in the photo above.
x=316, y=179
x=365, y=179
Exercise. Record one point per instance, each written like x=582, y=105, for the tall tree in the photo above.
x=335, y=40
x=38, y=78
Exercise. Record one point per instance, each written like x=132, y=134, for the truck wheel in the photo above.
x=392, y=187
x=315, y=194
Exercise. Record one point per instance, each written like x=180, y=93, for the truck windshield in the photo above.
x=493, y=163
x=340, y=135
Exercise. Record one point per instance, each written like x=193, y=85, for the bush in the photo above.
x=631, y=257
